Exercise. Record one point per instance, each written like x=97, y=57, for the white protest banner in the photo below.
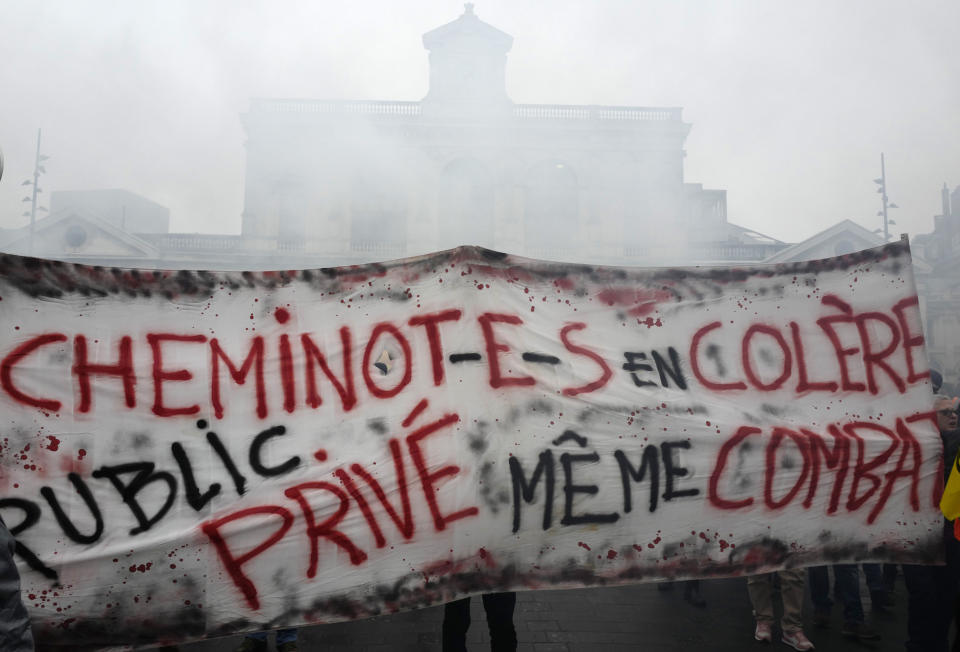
x=193, y=454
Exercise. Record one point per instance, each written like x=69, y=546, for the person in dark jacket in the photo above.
x=15, y=632
x=932, y=590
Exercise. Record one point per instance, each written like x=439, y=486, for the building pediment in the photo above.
x=842, y=238
x=78, y=236
x=468, y=32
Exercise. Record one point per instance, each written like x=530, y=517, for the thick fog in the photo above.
x=791, y=103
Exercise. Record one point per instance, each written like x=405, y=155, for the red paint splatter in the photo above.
x=487, y=558
x=628, y=295
x=320, y=455
x=583, y=545
x=643, y=309
x=611, y=554
x=81, y=453
x=281, y=315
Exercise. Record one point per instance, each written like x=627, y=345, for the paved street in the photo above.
x=612, y=619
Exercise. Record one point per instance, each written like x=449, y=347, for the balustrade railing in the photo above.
x=391, y=109
x=379, y=248
x=194, y=241
x=342, y=107
x=593, y=112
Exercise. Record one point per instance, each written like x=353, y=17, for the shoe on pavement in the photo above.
x=860, y=631
x=763, y=632
x=289, y=646
x=252, y=645
x=797, y=640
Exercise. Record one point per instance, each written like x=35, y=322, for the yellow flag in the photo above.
x=950, y=501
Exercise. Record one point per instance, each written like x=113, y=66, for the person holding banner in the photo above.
x=950, y=505
x=880, y=581
x=499, y=608
x=760, y=588
x=257, y=642
x=947, y=417
x=932, y=590
x=691, y=592
x=846, y=587
x=15, y=632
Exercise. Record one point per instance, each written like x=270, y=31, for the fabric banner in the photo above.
x=193, y=454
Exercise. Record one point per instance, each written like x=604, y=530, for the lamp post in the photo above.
x=38, y=169
x=882, y=182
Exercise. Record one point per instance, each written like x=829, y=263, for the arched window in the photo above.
x=551, y=206
x=378, y=222
x=289, y=199
x=292, y=228
x=466, y=205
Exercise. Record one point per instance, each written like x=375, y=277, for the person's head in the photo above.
x=946, y=409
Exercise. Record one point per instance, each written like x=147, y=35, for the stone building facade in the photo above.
x=342, y=182
x=466, y=165
x=941, y=290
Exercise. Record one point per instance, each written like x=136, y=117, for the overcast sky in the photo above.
x=791, y=102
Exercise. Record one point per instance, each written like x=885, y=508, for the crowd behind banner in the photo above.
x=197, y=454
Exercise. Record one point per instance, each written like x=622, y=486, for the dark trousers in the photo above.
x=15, y=633
x=499, y=608
x=880, y=577
x=846, y=588
x=932, y=591
x=956, y=622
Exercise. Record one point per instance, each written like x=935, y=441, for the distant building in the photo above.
x=844, y=237
x=941, y=249
x=104, y=227
x=81, y=236
x=465, y=165
x=121, y=208
x=341, y=182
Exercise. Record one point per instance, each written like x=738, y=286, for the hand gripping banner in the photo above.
x=193, y=454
